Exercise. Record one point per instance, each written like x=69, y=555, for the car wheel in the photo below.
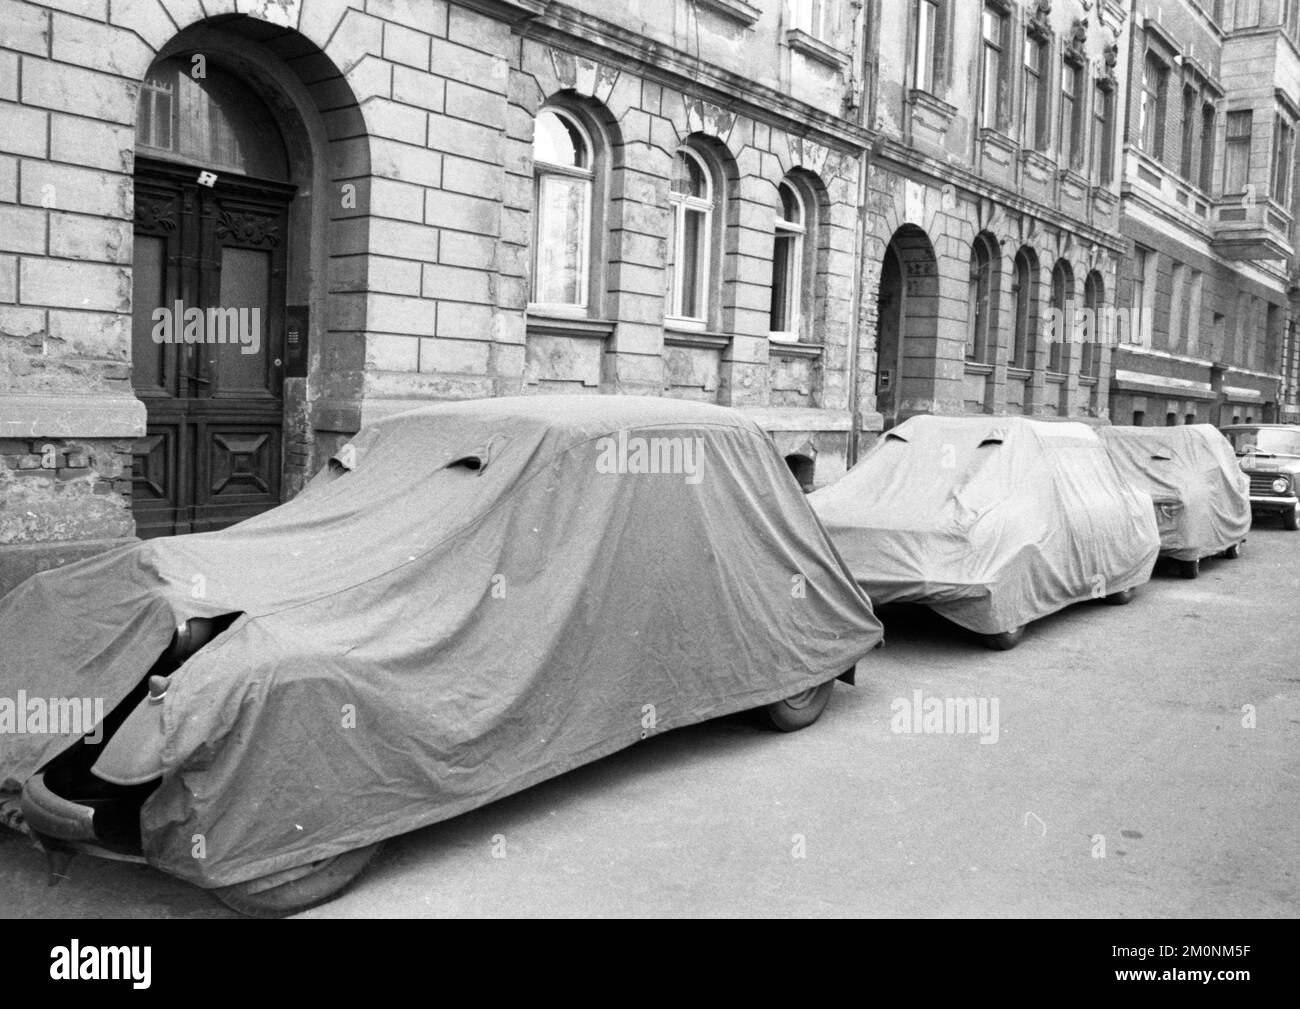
x=1121, y=598
x=801, y=710
x=325, y=879
x=1189, y=569
x=1004, y=641
x=1291, y=519
x=1232, y=553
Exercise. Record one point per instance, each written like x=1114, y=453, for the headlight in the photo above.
x=1281, y=485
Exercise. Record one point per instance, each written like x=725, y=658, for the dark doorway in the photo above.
x=208, y=303
x=907, y=317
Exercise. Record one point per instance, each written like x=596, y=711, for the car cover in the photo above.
x=471, y=598
x=1201, y=495
x=991, y=521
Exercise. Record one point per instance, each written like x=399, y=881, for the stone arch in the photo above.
x=319, y=118
x=907, y=325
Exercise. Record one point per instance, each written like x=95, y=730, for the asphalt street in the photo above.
x=1145, y=764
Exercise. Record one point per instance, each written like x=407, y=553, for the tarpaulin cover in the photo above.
x=1191, y=471
x=491, y=594
x=991, y=521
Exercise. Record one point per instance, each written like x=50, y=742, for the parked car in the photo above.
x=992, y=522
x=1270, y=457
x=1201, y=496
x=470, y=599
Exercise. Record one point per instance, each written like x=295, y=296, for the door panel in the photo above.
x=212, y=453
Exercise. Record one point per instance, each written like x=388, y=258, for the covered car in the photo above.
x=1200, y=494
x=471, y=598
x=992, y=522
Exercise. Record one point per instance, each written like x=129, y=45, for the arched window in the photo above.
x=1062, y=294
x=980, y=310
x=1094, y=303
x=213, y=121
x=1024, y=299
x=690, y=192
x=788, y=269
x=563, y=173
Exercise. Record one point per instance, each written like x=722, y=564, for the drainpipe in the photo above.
x=866, y=36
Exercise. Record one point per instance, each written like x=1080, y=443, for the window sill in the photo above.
x=579, y=327
x=978, y=368
x=697, y=338
x=796, y=349
x=1024, y=373
x=1088, y=380
x=1055, y=377
x=815, y=49
x=737, y=10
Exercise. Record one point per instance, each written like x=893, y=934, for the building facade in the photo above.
x=993, y=199
x=234, y=231
x=1209, y=210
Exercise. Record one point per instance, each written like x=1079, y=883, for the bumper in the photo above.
x=54, y=816
x=1273, y=504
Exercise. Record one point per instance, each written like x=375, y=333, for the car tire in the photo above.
x=1122, y=598
x=1232, y=553
x=1004, y=641
x=1291, y=519
x=1189, y=569
x=327, y=879
x=801, y=710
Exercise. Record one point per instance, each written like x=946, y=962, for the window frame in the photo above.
x=981, y=304
x=996, y=117
x=1094, y=300
x=1237, y=146
x=1039, y=137
x=542, y=172
x=1070, y=140
x=925, y=45
x=796, y=277
x=1153, y=106
x=1283, y=159
x=1063, y=273
x=682, y=205
x=1024, y=307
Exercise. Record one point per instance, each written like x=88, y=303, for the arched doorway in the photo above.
x=907, y=316
x=212, y=198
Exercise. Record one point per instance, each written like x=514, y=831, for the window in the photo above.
x=1187, y=150
x=983, y=260
x=926, y=55
x=1236, y=152
x=787, y=265
x=1103, y=156
x=1208, y=127
x=1070, y=143
x=1246, y=14
x=690, y=192
x=992, y=81
x=1191, y=323
x=563, y=175
x=1062, y=295
x=1034, y=120
x=1171, y=419
x=1144, y=263
x=1094, y=299
x=1283, y=154
x=816, y=17
x=1139, y=418
x=1177, y=304
x=1151, y=111
x=1024, y=300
